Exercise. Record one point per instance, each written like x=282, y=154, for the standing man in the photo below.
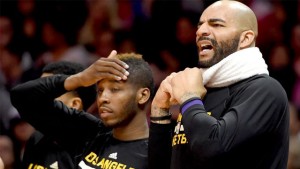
x=233, y=114
x=124, y=87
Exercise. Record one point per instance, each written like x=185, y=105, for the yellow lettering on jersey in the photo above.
x=101, y=163
x=95, y=162
x=106, y=163
x=93, y=159
x=40, y=167
x=89, y=158
x=179, y=139
x=179, y=117
x=183, y=139
x=36, y=166
x=113, y=165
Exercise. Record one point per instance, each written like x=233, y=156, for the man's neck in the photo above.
x=137, y=129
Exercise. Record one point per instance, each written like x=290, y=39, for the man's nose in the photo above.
x=103, y=97
x=203, y=30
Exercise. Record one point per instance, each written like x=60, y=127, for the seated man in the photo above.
x=124, y=87
x=43, y=151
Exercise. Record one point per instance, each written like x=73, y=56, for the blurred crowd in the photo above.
x=34, y=33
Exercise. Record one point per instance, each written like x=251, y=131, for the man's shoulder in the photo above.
x=262, y=85
x=259, y=81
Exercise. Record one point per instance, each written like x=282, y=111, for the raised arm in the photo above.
x=103, y=68
x=160, y=128
x=35, y=100
x=256, y=110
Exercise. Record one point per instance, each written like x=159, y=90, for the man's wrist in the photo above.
x=188, y=96
x=160, y=115
x=162, y=121
x=71, y=83
x=190, y=102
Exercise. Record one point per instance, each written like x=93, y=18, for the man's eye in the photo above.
x=99, y=91
x=199, y=25
x=115, y=89
x=217, y=25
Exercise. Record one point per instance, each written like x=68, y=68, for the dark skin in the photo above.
x=117, y=99
x=109, y=67
x=118, y=107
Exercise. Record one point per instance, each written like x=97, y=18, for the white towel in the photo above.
x=235, y=67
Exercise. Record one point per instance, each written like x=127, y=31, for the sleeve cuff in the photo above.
x=190, y=102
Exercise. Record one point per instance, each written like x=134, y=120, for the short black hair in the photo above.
x=87, y=94
x=140, y=73
x=63, y=67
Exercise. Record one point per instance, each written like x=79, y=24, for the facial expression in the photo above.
x=116, y=102
x=217, y=36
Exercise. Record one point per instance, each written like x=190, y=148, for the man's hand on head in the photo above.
x=110, y=67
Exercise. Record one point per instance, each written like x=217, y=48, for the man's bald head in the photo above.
x=238, y=13
x=224, y=28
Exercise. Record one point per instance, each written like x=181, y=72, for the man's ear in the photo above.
x=76, y=103
x=143, y=95
x=247, y=39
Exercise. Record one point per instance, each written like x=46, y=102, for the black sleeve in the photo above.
x=30, y=144
x=259, y=108
x=35, y=102
x=160, y=146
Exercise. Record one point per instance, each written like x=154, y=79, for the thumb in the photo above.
x=112, y=54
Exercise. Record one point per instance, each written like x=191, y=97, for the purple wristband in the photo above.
x=191, y=103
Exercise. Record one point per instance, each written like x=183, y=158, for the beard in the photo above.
x=129, y=111
x=222, y=50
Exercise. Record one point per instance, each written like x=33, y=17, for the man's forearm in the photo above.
x=160, y=139
x=72, y=82
x=160, y=115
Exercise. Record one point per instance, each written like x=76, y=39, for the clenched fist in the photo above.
x=187, y=84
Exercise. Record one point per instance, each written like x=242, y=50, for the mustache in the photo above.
x=213, y=42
